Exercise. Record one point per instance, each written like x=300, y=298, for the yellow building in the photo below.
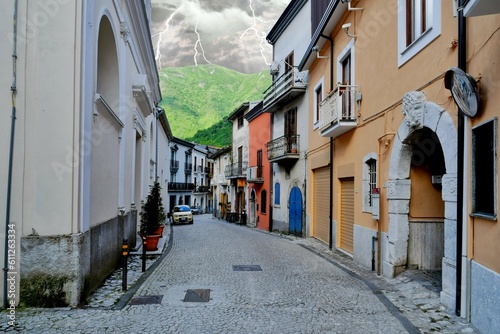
x=384, y=140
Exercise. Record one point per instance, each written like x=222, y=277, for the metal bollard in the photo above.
x=143, y=253
x=124, y=269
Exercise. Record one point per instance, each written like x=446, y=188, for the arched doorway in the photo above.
x=295, y=211
x=423, y=121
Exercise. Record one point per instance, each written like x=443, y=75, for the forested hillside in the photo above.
x=198, y=99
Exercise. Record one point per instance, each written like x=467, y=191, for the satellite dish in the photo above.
x=463, y=88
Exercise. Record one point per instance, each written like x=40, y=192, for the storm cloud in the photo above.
x=226, y=33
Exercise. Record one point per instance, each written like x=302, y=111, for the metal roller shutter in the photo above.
x=347, y=214
x=321, y=207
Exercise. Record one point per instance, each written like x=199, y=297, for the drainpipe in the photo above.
x=13, y=89
x=271, y=181
x=462, y=64
x=330, y=243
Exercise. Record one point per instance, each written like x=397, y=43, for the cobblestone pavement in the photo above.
x=302, y=288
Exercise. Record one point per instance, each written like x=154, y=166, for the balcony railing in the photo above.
x=222, y=179
x=337, y=112
x=174, y=166
x=188, y=167
x=202, y=189
x=283, y=148
x=254, y=174
x=236, y=171
x=179, y=186
x=286, y=88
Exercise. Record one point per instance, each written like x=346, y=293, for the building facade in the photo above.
x=286, y=100
x=180, y=184
x=85, y=145
x=385, y=139
x=259, y=171
x=219, y=183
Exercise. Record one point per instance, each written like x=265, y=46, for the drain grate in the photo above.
x=146, y=300
x=197, y=296
x=247, y=267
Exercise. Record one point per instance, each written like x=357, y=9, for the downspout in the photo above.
x=13, y=89
x=330, y=243
x=271, y=182
x=462, y=64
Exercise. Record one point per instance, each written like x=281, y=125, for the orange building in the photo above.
x=385, y=149
x=258, y=173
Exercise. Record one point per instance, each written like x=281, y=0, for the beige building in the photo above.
x=384, y=151
x=87, y=140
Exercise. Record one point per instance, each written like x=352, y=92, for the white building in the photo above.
x=219, y=183
x=180, y=183
x=84, y=94
x=287, y=100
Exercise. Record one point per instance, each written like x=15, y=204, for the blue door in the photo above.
x=295, y=213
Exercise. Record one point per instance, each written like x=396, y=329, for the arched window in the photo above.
x=263, y=201
x=276, y=193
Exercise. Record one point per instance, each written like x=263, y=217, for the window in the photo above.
x=289, y=63
x=259, y=164
x=484, y=147
x=263, y=201
x=369, y=180
x=317, y=97
x=240, y=122
x=195, y=163
x=419, y=23
x=276, y=194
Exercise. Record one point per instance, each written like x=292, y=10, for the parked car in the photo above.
x=182, y=214
x=196, y=210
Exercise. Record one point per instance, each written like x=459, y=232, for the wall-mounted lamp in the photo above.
x=346, y=27
x=316, y=48
x=349, y=5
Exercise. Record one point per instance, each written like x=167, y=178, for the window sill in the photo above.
x=484, y=216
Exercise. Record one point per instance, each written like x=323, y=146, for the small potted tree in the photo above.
x=153, y=218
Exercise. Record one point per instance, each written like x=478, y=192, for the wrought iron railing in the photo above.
x=180, y=186
x=254, y=173
x=281, y=85
x=174, y=166
x=283, y=146
x=238, y=169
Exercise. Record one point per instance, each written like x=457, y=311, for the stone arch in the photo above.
x=421, y=114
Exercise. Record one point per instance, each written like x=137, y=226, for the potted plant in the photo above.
x=152, y=217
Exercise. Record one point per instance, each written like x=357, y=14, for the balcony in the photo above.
x=236, y=171
x=180, y=186
x=337, y=112
x=284, y=149
x=188, y=168
x=174, y=166
x=222, y=179
x=254, y=175
x=286, y=88
x=202, y=189
x=209, y=171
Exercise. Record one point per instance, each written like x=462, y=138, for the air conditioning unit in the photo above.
x=274, y=68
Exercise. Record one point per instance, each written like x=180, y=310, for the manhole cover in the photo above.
x=146, y=300
x=247, y=267
x=197, y=296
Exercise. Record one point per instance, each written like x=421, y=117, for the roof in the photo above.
x=328, y=22
x=220, y=152
x=238, y=112
x=182, y=142
x=285, y=19
x=255, y=111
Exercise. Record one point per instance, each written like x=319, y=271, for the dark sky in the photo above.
x=230, y=33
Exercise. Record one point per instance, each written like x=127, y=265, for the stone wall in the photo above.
x=64, y=270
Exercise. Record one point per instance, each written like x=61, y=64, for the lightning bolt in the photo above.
x=198, y=41
x=259, y=35
x=160, y=35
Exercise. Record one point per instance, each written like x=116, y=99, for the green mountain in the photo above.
x=198, y=99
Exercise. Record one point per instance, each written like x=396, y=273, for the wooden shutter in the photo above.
x=321, y=207
x=347, y=214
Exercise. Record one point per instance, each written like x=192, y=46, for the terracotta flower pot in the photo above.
x=152, y=242
x=159, y=230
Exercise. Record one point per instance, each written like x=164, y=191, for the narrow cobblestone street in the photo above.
x=257, y=282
